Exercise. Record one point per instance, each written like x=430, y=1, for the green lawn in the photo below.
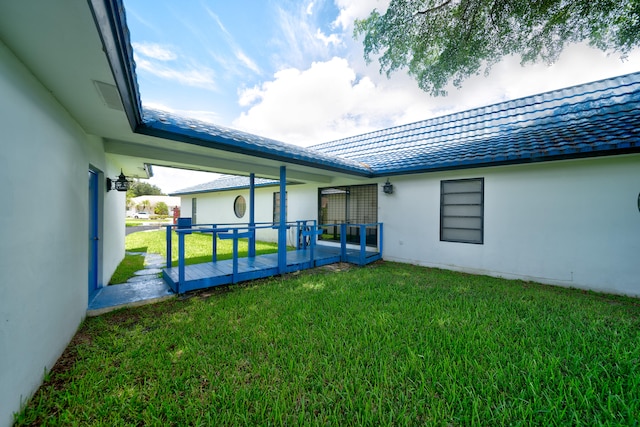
x=126, y=269
x=197, y=246
x=198, y=250
x=388, y=344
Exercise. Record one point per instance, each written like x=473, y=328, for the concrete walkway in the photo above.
x=144, y=288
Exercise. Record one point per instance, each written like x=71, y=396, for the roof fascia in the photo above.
x=220, y=190
x=508, y=162
x=228, y=144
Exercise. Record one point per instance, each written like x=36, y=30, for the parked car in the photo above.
x=141, y=215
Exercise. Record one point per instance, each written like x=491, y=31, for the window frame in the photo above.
x=443, y=183
x=355, y=209
x=239, y=202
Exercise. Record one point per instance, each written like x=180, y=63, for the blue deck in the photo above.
x=145, y=287
x=217, y=273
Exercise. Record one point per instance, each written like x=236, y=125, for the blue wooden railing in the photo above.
x=302, y=228
x=307, y=232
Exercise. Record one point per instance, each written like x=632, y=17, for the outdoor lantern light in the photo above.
x=121, y=184
x=387, y=187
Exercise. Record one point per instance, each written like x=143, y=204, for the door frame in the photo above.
x=95, y=198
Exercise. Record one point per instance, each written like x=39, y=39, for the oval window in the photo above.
x=239, y=206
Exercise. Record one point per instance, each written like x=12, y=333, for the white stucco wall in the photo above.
x=113, y=214
x=44, y=247
x=571, y=223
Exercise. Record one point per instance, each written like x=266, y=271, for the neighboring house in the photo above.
x=544, y=188
x=151, y=202
x=225, y=207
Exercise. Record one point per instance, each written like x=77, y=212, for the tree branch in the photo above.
x=433, y=9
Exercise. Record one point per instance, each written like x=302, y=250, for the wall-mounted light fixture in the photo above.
x=387, y=187
x=121, y=184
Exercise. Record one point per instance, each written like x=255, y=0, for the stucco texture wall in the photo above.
x=571, y=223
x=44, y=246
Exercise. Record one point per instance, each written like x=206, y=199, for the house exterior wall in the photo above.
x=217, y=208
x=44, y=247
x=571, y=223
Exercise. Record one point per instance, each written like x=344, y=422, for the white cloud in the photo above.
x=334, y=99
x=350, y=10
x=153, y=58
x=248, y=62
x=154, y=51
x=323, y=102
x=196, y=76
x=248, y=96
x=298, y=40
x=332, y=39
x=204, y=115
x=310, y=8
x=173, y=179
x=237, y=51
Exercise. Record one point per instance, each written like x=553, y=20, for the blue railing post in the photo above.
x=235, y=235
x=363, y=244
x=282, y=229
x=252, y=218
x=168, y=258
x=181, y=251
x=235, y=256
x=312, y=243
x=313, y=234
x=381, y=238
x=214, y=244
x=343, y=242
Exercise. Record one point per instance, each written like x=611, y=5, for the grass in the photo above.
x=197, y=246
x=198, y=250
x=389, y=344
x=126, y=269
x=132, y=222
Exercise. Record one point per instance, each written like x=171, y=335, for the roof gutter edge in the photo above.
x=148, y=130
x=509, y=162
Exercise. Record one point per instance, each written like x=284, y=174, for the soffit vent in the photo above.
x=109, y=94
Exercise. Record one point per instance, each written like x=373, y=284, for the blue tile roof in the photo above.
x=224, y=183
x=599, y=118
x=170, y=126
x=593, y=119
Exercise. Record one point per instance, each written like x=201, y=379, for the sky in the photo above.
x=291, y=70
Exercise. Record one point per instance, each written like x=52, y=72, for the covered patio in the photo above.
x=307, y=253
